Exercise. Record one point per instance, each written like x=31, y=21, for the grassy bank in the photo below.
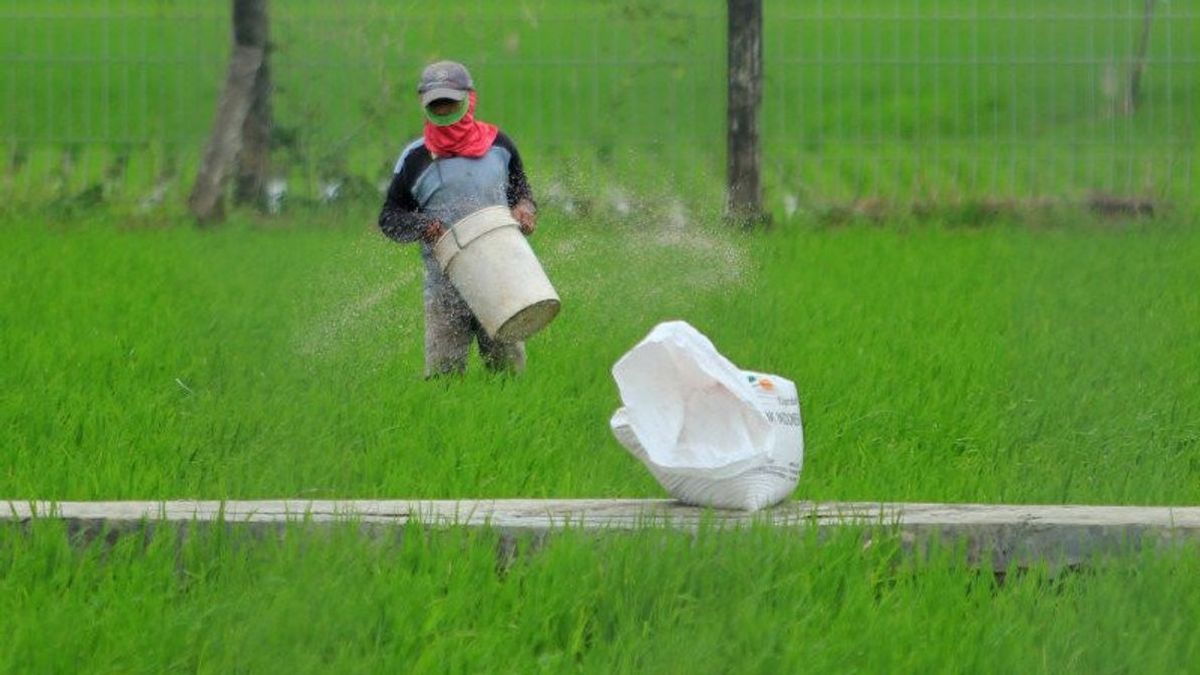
x=755, y=601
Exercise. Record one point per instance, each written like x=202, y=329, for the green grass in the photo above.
x=754, y=601
x=1053, y=360
x=143, y=359
x=886, y=100
x=267, y=360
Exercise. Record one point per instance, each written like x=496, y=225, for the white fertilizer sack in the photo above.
x=710, y=433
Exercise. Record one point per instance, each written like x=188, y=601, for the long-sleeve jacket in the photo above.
x=424, y=188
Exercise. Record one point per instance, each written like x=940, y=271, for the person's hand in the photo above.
x=433, y=232
x=526, y=216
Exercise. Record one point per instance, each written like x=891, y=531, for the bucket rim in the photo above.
x=454, y=240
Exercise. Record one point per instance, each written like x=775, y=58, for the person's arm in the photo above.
x=520, y=195
x=401, y=218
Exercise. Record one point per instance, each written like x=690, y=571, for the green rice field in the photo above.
x=958, y=328
x=753, y=601
x=268, y=359
x=271, y=358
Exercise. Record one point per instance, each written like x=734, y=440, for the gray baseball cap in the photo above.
x=444, y=79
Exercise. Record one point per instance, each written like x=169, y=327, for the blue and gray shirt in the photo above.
x=425, y=189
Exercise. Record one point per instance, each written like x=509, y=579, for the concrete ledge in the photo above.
x=1005, y=534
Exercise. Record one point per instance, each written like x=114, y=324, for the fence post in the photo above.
x=1133, y=92
x=744, y=156
x=254, y=160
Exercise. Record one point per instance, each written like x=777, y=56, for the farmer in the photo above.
x=458, y=166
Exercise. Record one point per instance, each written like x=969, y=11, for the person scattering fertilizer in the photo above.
x=457, y=167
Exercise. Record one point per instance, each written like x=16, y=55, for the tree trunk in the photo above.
x=744, y=157
x=249, y=38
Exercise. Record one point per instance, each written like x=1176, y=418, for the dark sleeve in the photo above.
x=401, y=218
x=518, y=182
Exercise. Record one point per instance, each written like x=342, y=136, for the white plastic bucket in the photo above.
x=495, y=271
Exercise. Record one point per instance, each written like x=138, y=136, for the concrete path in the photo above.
x=1007, y=534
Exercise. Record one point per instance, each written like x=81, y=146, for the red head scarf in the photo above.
x=467, y=137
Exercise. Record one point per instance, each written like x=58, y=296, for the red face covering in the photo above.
x=465, y=138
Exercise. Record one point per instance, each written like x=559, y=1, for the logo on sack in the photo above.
x=762, y=383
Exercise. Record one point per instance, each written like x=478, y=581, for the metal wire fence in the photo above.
x=940, y=99
x=903, y=101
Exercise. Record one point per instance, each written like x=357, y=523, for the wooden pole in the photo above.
x=744, y=156
x=206, y=199
x=254, y=160
x=1134, y=92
